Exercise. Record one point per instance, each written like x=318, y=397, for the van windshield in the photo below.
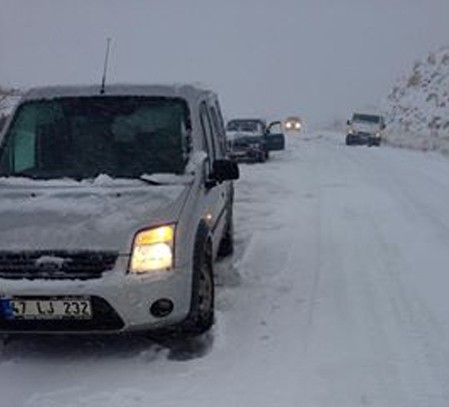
x=83, y=137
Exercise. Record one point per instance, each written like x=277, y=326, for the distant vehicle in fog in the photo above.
x=251, y=140
x=293, y=123
x=365, y=129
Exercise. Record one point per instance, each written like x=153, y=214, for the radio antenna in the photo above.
x=105, y=68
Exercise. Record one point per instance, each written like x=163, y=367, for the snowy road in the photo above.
x=336, y=296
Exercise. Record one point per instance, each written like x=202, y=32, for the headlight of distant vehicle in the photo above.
x=377, y=135
x=153, y=250
x=288, y=125
x=297, y=126
x=350, y=131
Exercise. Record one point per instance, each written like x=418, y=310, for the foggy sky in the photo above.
x=316, y=58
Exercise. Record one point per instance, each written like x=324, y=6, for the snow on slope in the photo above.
x=418, y=106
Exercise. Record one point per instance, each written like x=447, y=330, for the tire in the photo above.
x=261, y=158
x=201, y=315
x=227, y=241
x=267, y=155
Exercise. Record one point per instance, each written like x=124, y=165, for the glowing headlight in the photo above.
x=153, y=250
x=288, y=125
x=297, y=126
x=377, y=135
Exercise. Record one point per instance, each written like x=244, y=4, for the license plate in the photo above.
x=67, y=308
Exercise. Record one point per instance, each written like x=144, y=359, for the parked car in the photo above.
x=113, y=209
x=365, y=129
x=293, y=123
x=251, y=140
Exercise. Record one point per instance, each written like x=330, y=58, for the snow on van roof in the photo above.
x=189, y=92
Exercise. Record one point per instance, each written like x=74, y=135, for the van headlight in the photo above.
x=153, y=250
x=377, y=135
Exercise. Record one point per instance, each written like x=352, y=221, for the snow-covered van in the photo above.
x=365, y=129
x=113, y=208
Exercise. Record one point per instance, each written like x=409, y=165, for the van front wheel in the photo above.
x=201, y=315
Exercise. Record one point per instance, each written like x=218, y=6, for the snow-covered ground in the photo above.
x=336, y=296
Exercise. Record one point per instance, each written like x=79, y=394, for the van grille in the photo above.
x=55, y=265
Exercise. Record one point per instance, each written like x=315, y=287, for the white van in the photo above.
x=113, y=208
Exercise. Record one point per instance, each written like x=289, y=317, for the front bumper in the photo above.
x=121, y=302
x=363, y=138
x=247, y=155
x=356, y=138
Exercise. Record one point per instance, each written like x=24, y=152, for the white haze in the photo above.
x=316, y=58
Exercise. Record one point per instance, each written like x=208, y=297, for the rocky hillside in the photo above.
x=418, y=106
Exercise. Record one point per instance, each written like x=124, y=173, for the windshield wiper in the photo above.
x=147, y=179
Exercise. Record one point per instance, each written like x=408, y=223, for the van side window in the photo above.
x=219, y=133
x=207, y=133
x=220, y=117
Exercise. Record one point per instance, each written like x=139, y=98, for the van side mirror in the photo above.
x=348, y=122
x=224, y=170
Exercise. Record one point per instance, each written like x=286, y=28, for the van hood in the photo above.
x=70, y=215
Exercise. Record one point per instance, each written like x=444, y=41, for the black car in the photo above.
x=251, y=140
